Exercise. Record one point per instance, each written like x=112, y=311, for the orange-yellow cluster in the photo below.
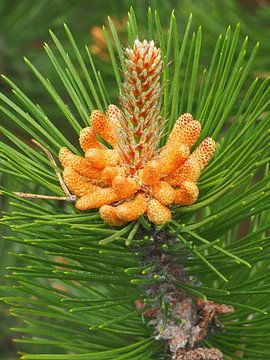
x=102, y=179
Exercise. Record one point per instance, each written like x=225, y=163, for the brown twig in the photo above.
x=44, y=197
x=68, y=197
x=50, y=157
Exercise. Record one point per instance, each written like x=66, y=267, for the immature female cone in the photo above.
x=134, y=178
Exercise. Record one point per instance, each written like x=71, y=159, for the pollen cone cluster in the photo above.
x=129, y=176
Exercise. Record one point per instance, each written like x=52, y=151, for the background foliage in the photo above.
x=233, y=108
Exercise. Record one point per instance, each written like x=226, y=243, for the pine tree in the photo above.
x=90, y=290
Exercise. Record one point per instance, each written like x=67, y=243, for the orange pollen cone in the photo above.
x=122, y=172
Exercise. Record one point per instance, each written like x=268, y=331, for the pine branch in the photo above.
x=76, y=263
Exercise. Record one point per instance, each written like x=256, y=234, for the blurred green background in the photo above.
x=24, y=28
